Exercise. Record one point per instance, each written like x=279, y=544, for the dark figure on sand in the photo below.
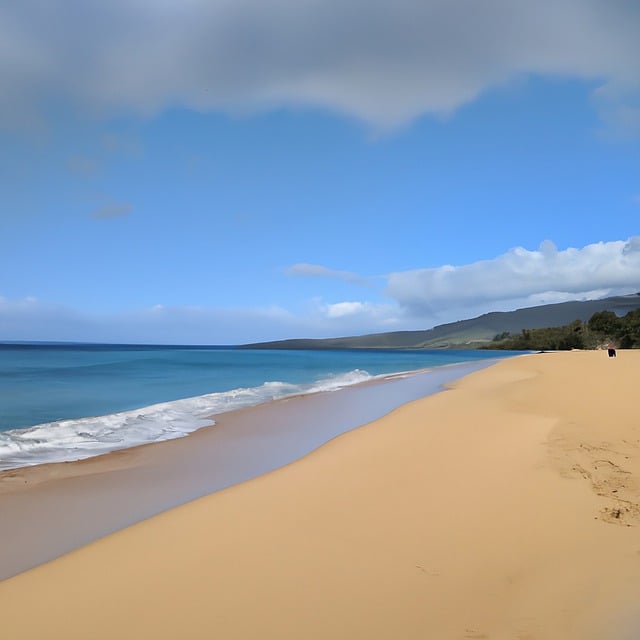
x=611, y=350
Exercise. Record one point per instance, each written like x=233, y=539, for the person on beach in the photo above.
x=611, y=350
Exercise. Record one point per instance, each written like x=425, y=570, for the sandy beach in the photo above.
x=51, y=509
x=505, y=507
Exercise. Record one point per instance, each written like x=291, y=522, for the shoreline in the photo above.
x=138, y=400
x=506, y=507
x=54, y=508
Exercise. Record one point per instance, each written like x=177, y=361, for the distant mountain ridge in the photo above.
x=467, y=334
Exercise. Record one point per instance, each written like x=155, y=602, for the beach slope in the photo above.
x=505, y=507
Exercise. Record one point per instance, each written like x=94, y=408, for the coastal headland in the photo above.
x=507, y=506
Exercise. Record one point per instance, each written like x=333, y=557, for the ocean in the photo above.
x=61, y=402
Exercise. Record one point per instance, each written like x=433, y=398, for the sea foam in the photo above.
x=67, y=440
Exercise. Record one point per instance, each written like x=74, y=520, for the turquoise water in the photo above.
x=60, y=402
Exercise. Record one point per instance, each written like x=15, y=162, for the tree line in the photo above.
x=602, y=328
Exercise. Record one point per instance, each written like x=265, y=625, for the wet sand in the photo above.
x=51, y=509
x=507, y=507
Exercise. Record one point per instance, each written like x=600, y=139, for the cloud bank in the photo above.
x=417, y=299
x=521, y=277
x=384, y=61
x=31, y=319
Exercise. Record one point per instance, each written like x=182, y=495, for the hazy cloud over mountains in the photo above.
x=420, y=298
x=520, y=276
x=385, y=61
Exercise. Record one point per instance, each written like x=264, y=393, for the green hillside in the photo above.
x=471, y=333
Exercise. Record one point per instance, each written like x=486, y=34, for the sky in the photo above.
x=231, y=171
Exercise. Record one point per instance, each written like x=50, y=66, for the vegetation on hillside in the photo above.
x=602, y=328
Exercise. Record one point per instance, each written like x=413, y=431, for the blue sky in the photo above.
x=197, y=172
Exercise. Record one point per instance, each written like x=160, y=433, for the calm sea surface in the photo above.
x=62, y=402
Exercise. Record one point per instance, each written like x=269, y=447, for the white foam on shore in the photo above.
x=67, y=440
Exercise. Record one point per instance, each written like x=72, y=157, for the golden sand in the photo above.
x=504, y=508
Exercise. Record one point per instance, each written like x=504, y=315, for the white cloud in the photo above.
x=30, y=319
x=521, y=278
x=386, y=61
x=318, y=271
x=354, y=317
x=341, y=309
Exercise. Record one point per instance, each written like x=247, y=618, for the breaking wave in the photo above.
x=66, y=440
